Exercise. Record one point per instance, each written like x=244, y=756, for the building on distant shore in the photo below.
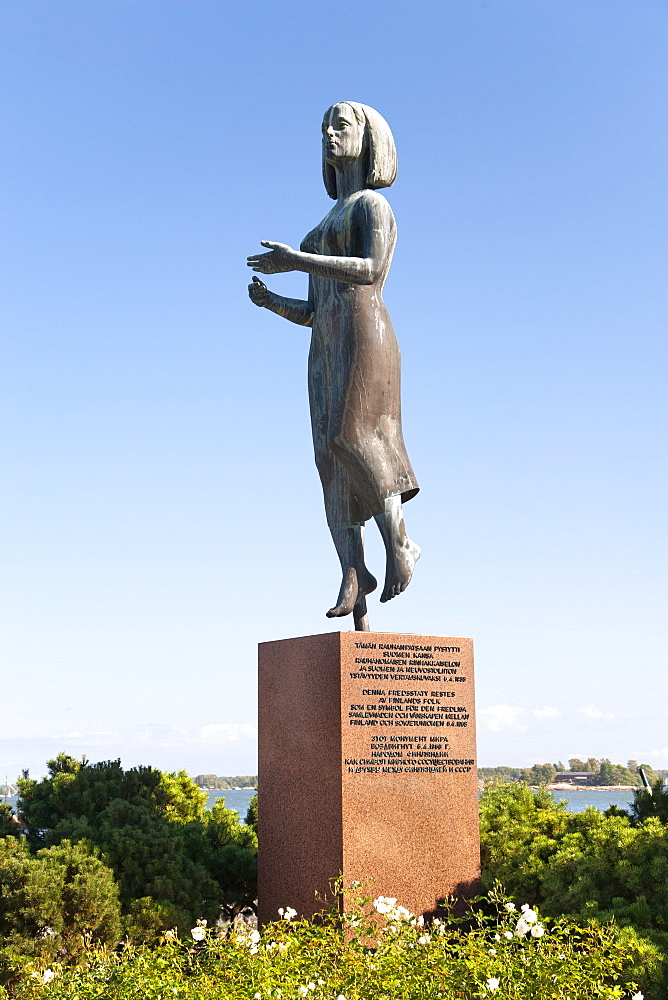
x=572, y=777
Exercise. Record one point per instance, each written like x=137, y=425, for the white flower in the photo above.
x=387, y=905
x=637, y=996
x=255, y=936
x=321, y=982
x=510, y=907
x=522, y=927
x=529, y=915
x=340, y=997
x=492, y=984
x=497, y=937
x=198, y=933
x=258, y=996
x=425, y=939
x=311, y=986
x=302, y=990
x=170, y=935
x=420, y=921
x=508, y=934
x=492, y=951
x=288, y=913
x=281, y=946
x=48, y=975
x=253, y=949
x=537, y=930
x=384, y=904
x=437, y=922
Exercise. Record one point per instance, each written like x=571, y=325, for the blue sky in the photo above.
x=161, y=508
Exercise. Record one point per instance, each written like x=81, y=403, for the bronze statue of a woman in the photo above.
x=354, y=361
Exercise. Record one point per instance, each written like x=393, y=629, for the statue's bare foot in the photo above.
x=401, y=558
x=355, y=585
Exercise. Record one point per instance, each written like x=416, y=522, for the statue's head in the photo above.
x=351, y=130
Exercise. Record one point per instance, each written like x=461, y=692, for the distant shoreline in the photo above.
x=565, y=786
x=236, y=788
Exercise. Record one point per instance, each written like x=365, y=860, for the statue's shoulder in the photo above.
x=369, y=196
x=375, y=204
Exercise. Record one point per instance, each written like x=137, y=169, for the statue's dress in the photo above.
x=354, y=369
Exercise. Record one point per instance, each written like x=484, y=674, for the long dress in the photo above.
x=354, y=369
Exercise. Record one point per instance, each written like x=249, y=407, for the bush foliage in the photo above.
x=54, y=905
x=380, y=952
x=589, y=865
x=161, y=860
x=583, y=864
x=133, y=857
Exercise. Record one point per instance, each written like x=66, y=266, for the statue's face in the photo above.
x=342, y=135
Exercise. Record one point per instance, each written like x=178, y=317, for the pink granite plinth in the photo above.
x=366, y=769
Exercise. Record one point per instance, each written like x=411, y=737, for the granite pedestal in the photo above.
x=367, y=769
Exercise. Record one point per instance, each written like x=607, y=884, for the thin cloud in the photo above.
x=657, y=757
x=547, y=713
x=98, y=738
x=502, y=718
x=591, y=712
x=209, y=735
x=164, y=736
x=226, y=733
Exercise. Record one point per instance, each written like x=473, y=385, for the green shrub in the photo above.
x=650, y=804
x=589, y=866
x=379, y=953
x=251, y=814
x=582, y=864
x=147, y=919
x=53, y=905
x=154, y=832
x=8, y=828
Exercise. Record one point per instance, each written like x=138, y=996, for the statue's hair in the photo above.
x=378, y=147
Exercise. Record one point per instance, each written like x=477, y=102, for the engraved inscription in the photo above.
x=392, y=661
x=398, y=707
x=416, y=692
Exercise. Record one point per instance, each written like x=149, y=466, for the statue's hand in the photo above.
x=259, y=293
x=280, y=258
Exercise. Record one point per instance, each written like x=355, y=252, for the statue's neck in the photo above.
x=350, y=178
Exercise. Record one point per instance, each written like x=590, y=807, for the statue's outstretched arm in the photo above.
x=298, y=311
x=377, y=229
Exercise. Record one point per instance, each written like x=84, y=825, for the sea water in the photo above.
x=235, y=798
x=576, y=801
